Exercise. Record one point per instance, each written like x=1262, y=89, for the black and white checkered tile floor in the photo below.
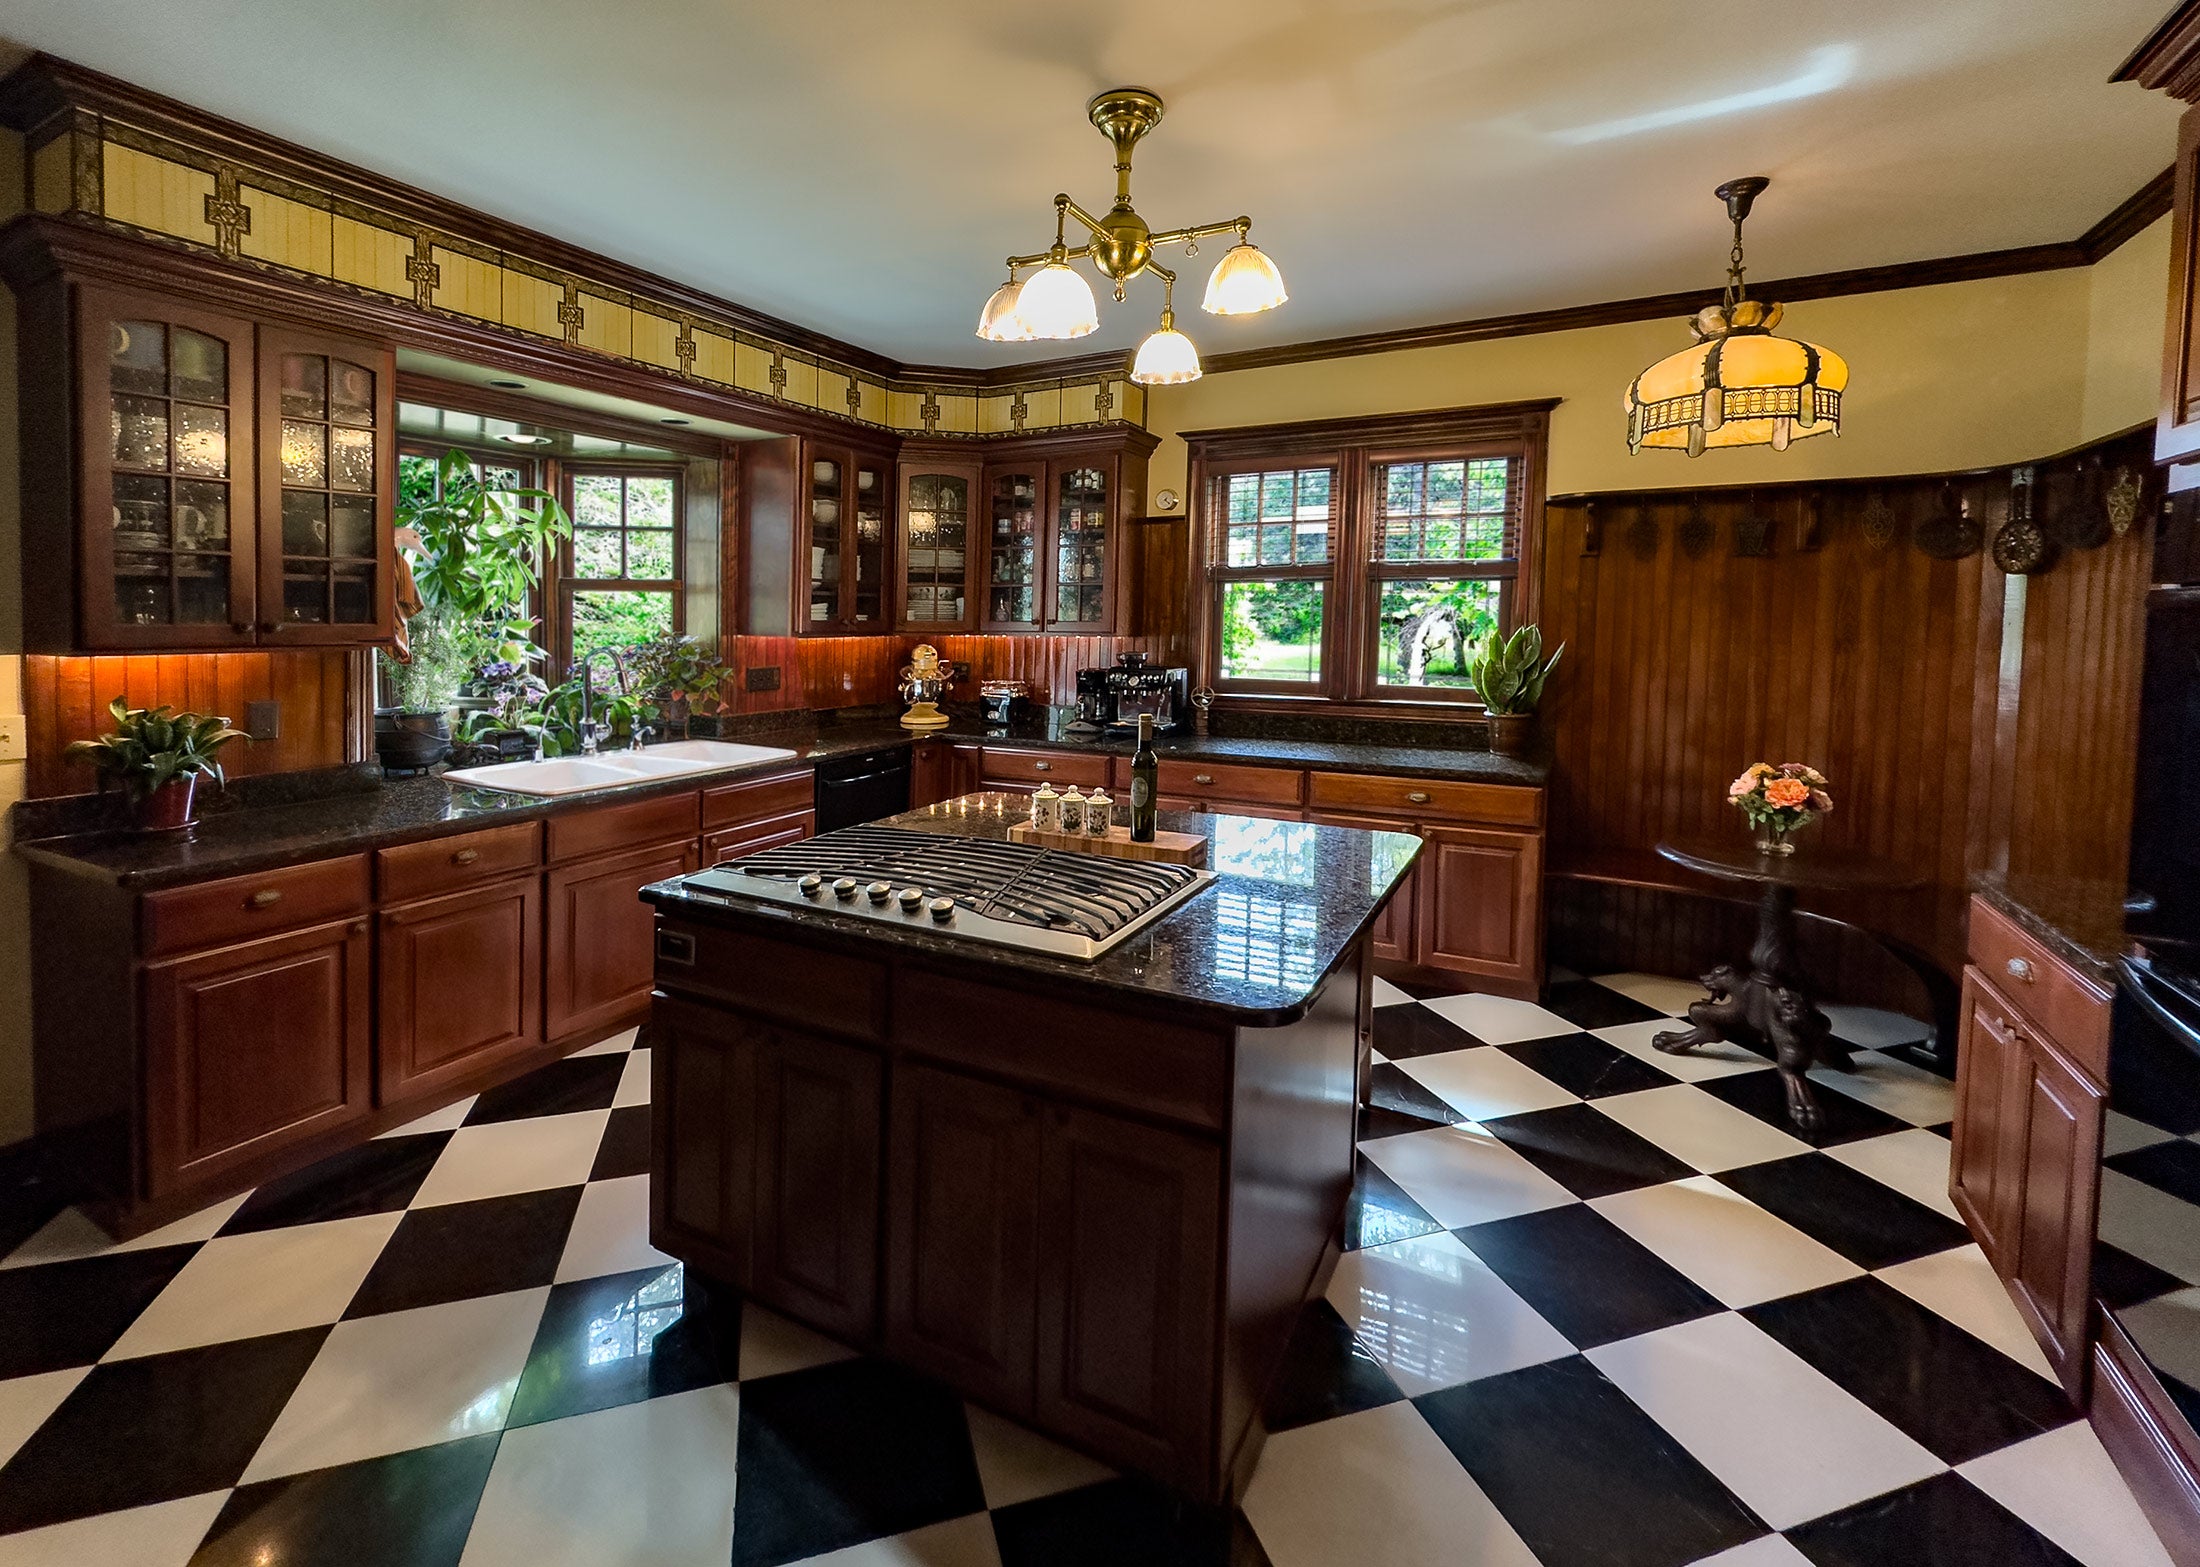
x=1602, y=1306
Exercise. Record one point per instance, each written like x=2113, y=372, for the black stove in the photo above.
x=1064, y=902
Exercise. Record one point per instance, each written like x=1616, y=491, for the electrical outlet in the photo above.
x=14, y=744
x=263, y=720
x=764, y=678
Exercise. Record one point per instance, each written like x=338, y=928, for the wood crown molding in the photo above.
x=2168, y=59
x=1420, y=427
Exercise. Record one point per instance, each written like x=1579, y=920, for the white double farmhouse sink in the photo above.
x=614, y=769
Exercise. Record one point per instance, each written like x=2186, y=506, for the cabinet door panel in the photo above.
x=1481, y=908
x=818, y=1125
x=1127, y=1291
x=702, y=1094
x=734, y=843
x=938, y=531
x=1991, y=1080
x=461, y=985
x=601, y=947
x=2060, y=1182
x=961, y=1234
x=1393, y=935
x=1015, y=532
x=2177, y=429
x=254, y=1047
x=1080, y=567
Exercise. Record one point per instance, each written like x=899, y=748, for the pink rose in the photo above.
x=1820, y=801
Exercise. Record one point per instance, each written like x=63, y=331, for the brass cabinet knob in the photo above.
x=356, y=928
x=2020, y=969
x=465, y=856
x=1203, y=778
x=1042, y=767
x=1418, y=796
x=265, y=898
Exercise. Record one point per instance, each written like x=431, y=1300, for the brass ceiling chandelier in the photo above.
x=1740, y=385
x=1056, y=302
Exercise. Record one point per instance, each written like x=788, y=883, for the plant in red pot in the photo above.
x=157, y=757
x=1508, y=675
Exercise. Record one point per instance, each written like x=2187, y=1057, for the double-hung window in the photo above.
x=1443, y=555
x=619, y=581
x=1275, y=533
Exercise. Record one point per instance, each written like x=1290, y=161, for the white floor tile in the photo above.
x=1376, y=1487
x=2169, y=1325
x=1670, y=996
x=505, y=1157
x=25, y=1402
x=70, y=1235
x=1909, y=1092
x=617, y=1044
x=165, y=1534
x=1485, y=1084
x=1435, y=1315
x=1963, y=1287
x=771, y=1344
x=610, y=1232
x=1699, y=1130
x=2062, y=1484
x=448, y=1119
x=1874, y=1028
x=1914, y=1163
x=1736, y=1250
x=1462, y=1175
x=1691, y=1066
x=1500, y=1020
x=633, y=1081
x=1389, y=995
x=1781, y=1435
x=959, y=1542
x=2127, y=1134
x=404, y=1379
x=2150, y=1224
x=265, y=1281
x=1772, y=1550
x=645, y=1483
x=1016, y=1464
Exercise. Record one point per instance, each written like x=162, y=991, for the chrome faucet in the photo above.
x=640, y=733
x=587, y=726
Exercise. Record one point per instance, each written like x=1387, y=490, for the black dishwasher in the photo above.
x=853, y=789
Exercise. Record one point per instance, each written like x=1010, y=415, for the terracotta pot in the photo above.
x=169, y=808
x=1510, y=733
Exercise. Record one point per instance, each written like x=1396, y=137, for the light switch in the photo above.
x=263, y=720
x=14, y=743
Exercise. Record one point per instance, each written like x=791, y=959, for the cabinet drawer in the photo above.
x=610, y=827
x=2062, y=1005
x=1225, y=781
x=422, y=870
x=734, y=843
x=997, y=764
x=216, y=913
x=753, y=799
x=1427, y=799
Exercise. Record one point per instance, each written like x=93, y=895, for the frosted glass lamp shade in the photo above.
x=1244, y=282
x=1166, y=359
x=1057, y=303
x=999, y=321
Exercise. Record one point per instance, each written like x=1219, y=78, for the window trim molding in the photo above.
x=1354, y=446
x=559, y=581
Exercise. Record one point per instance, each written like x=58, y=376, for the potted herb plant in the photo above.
x=1508, y=675
x=157, y=757
x=678, y=676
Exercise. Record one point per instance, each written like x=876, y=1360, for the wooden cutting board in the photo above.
x=1178, y=848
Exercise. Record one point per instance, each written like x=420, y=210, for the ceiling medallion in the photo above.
x=1740, y=385
x=1056, y=302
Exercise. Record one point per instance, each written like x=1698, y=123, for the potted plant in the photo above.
x=678, y=676
x=476, y=551
x=1508, y=675
x=157, y=757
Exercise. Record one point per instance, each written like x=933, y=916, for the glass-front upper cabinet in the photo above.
x=828, y=483
x=871, y=504
x=1013, y=558
x=328, y=478
x=936, y=505
x=1080, y=548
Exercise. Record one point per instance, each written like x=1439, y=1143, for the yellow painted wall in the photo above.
x=1957, y=375
x=15, y=958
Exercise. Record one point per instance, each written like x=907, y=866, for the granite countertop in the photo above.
x=1253, y=948
x=2080, y=920
x=1470, y=764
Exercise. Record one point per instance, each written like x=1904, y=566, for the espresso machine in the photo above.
x=1135, y=688
x=1005, y=702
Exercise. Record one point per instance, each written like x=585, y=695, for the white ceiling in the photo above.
x=862, y=166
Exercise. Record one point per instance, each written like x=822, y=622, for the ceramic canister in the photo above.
x=1099, y=814
x=1046, y=809
x=1073, y=810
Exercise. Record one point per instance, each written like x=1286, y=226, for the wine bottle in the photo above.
x=1145, y=767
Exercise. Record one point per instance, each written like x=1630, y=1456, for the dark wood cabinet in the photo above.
x=460, y=985
x=733, y=843
x=1396, y=927
x=2055, y=1221
x=253, y=1047
x=940, y=497
x=961, y=1292
x=818, y=1113
x=1480, y=906
x=1984, y=1168
x=1054, y=511
x=819, y=557
x=702, y=1086
x=599, y=953
x=2177, y=430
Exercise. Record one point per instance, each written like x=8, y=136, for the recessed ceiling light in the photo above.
x=509, y=386
x=518, y=439
x=675, y=421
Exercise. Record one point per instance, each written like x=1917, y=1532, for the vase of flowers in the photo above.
x=1779, y=802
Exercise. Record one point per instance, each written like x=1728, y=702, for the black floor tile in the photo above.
x=1586, y=1276
x=1587, y=1067
x=1957, y=1396
x=1763, y=1095
x=458, y=1250
x=561, y=1088
x=376, y=1177
x=1586, y=1151
x=1401, y=1033
x=1423, y=990
x=152, y=1429
x=1587, y=1004
x=835, y=1455
x=624, y=1338
x=1116, y=1523
x=1582, y=1473
x=2120, y=1279
x=1942, y=1522
x=1326, y=1372
x=1391, y=1089
x=411, y=1509
x=2170, y=1167
x=61, y=1314
x=1379, y=1211
x=1874, y=1226
x=625, y=1146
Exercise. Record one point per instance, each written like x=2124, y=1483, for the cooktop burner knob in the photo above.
x=910, y=898
x=879, y=891
x=845, y=887
x=811, y=885
x=943, y=909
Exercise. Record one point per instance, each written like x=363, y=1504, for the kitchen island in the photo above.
x=1090, y=1194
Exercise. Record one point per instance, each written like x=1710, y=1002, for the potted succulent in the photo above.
x=157, y=756
x=1508, y=675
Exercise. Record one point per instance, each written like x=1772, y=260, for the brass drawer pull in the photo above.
x=2020, y=969
x=1418, y=796
x=465, y=856
x=1042, y=767
x=1203, y=778
x=265, y=898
